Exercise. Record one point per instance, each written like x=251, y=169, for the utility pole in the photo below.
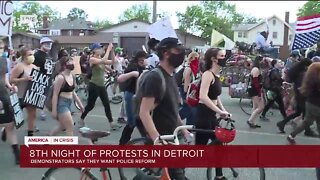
x=154, y=11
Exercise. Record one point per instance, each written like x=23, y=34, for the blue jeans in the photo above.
x=131, y=121
x=272, y=51
x=185, y=110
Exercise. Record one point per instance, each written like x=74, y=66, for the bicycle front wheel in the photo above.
x=246, y=104
x=83, y=96
x=67, y=173
x=242, y=173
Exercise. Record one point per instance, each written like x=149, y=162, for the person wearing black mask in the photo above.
x=165, y=117
x=210, y=103
x=63, y=96
x=129, y=79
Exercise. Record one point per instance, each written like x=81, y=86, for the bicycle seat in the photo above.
x=94, y=135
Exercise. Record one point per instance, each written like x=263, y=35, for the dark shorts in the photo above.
x=253, y=92
x=22, y=104
x=7, y=115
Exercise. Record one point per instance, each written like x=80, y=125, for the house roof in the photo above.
x=32, y=35
x=66, y=23
x=248, y=27
x=122, y=23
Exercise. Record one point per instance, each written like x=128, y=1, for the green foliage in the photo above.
x=31, y=8
x=137, y=11
x=77, y=13
x=103, y=24
x=218, y=15
x=309, y=8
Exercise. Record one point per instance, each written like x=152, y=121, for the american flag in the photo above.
x=307, y=32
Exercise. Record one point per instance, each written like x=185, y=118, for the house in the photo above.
x=31, y=40
x=132, y=34
x=247, y=32
x=66, y=27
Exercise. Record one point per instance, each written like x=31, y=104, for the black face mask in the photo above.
x=70, y=67
x=175, y=60
x=222, y=62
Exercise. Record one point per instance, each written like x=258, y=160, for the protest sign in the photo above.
x=162, y=29
x=18, y=114
x=6, y=12
x=37, y=89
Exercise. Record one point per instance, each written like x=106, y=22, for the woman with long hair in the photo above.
x=6, y=112
x=311, y=90
x=130, y=77
x=255, y=92
x=21, y=76
x=210, y=103
x=189, y=74
x=63, y=95
x=295, y=75
x=96, y=86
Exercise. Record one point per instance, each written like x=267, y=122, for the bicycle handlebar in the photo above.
x=173, y=138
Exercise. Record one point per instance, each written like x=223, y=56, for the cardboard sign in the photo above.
x=18, y=114
x=6, y=13
x=37, y=89
x=162, y=29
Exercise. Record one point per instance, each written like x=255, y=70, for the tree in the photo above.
x=103, y=24
x=77, y=13
x=137, y=11
x=218, y=15
x=31, y=8
x=309, y=8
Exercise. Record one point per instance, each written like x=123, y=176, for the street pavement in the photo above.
x=267, y=135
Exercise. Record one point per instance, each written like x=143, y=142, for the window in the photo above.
x=245, y=35
x=274, y=22
x=290, y=37
x=239, y=34
x=70, y=33
x=275, y=35
x=55, y=32
x=135, y=26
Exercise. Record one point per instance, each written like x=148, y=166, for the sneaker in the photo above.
x=291, y=140
x=81, y=123
x=251, y=125
x=263, y=118
x=3, y=135
x=121, y=120
x=281, y=127
x=36, y=129
x=220, y=178
x=114, y=126
x=43, y=115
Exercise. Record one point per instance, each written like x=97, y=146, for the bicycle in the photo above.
x=81, y=90
x=80, y=173
x=162, y=173
x=110, y=79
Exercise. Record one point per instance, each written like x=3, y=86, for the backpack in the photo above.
x=179, y=76
x=266, y=80
x=137, y=98
x=192, y=98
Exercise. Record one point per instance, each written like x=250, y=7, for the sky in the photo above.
x=111, y=10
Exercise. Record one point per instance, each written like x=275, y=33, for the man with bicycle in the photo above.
x=165, y=117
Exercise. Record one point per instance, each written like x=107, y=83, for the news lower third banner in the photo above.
x=63, y=156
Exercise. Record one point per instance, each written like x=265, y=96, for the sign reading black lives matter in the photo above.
x=18, y=114
x=37, y=89
x=6, y=12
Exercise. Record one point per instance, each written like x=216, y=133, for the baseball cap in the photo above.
x=169, y=43
x=95, y=46
x=45, y=39
x=118, y=49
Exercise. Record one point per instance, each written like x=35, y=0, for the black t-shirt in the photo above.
x=165, y=115
x=83, y=61
x=44, y=62
x=313, y=54
x=133, y=81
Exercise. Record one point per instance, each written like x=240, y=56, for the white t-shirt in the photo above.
x=153, y=60
x=117, y=64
